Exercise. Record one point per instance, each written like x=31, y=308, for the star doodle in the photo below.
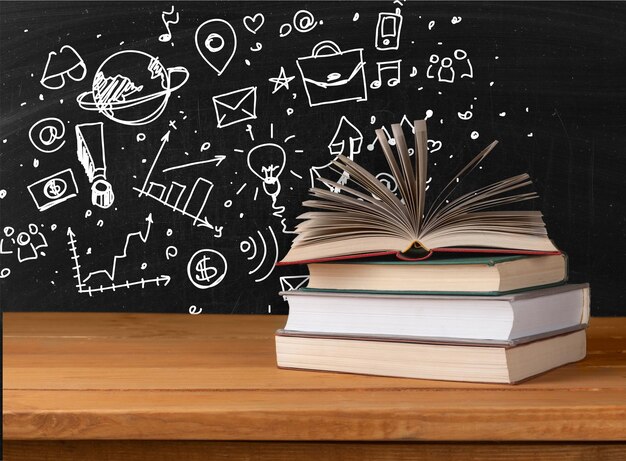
x=282, y=81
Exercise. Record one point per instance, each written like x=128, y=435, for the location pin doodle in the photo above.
x=216, y=42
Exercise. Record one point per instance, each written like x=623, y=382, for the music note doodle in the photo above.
x=164, y=15
x=386, y=67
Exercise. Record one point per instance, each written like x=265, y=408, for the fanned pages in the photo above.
x=367, y=219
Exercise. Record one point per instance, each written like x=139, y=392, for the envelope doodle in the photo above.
x=235, y=107
x=331, y=75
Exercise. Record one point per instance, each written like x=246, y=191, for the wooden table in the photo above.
x=182, y=387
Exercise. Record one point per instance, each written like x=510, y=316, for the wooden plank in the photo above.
x=436, y=415
x=287, y=451
x=151, y=376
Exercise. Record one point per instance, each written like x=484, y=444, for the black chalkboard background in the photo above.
x=548, y=82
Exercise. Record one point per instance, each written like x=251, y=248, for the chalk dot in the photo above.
x=240, y=215
x=474, y=135
x=121, y=43
x=143, y=266
x=530, y=135
x=61, y=101
x=52, y=282
x=134, y=176
x=321, y=22
x=429, y=113
x=497, y=57
x=35, y=162
x=25, y=30
x=247, y=61
x=4, y=141
x=143, y=160
x=228, y=203
x=40, y=97
x=205, y=146
x=3, y=193
x=502, y=114
x=141, y=137
x=169, y=232
x=23, y=104
x=431, y=24
x=99, y=35
x=32, y=75
x=355, y=17
x=527, y=109
x=490, y=83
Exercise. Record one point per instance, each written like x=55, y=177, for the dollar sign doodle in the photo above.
x=203, y=270
x=206, y=268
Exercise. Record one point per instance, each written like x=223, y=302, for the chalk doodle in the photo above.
x=267, y=162
x=53, y=189
x=292, y=282
x=140, y=95
x=388, y=31
x=66, y=63
x=91, y=154
x=331, y=76
x=269, y=255
x=165, y=15
x=433, y=146
x=216, y=41
x=282, y=81
x=206, y=268
x=235, y=107
x=171, y=252
x=304, y=21
x=392, y=67
x=388, y=180
x=254, y=23
x=446, y=71
x=465, y=115
x=25, y=245
x=90, y=289
x=197, y=199
x=257, y=47
x=45, y=134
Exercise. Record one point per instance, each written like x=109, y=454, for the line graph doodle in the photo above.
x=81, y=283
x=196, y=201
x=206, y=268
x=45, y=133
x=139, y=96
x=66, y=63
x=166, y=37
x=91, y=154
x=270, y=253
x=216, y=41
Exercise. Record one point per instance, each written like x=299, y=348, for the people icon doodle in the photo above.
x=132, y=88
x=447, y=68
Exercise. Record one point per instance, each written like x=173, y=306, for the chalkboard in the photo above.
x=154, y=156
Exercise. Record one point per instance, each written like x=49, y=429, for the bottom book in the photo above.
x=414, y=359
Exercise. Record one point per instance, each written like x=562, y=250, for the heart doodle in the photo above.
x=433, y=146
x=254, y=23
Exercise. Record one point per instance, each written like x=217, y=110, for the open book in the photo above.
x=374, y=221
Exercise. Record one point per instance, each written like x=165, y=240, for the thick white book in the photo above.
x=508, y=319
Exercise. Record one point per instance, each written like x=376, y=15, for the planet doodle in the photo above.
x=132, y=88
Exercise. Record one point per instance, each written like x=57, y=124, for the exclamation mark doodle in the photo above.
x=90, y=151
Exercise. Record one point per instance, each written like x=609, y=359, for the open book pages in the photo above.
x=372, y=219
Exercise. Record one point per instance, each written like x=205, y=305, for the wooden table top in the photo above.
x=214, y=377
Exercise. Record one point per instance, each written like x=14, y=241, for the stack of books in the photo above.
x=451, y=293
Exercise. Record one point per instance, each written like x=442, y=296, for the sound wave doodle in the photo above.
x=269, y=250
x=81, y=283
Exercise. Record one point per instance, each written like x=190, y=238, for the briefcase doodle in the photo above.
x=331, y=75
